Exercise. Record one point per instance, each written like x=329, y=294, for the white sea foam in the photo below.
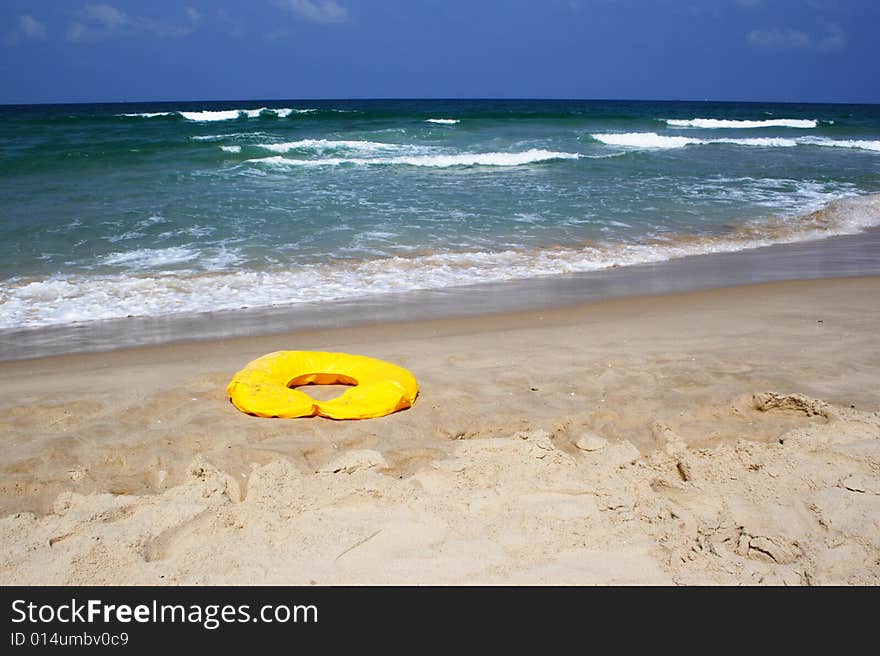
x=652, y=140
x=148, y=114
x=61, y=299
x=224, y=115
x=761, y=142
x=644, y=140
x=219, y=259
x=150, y=258
x=131, y=234
x=443, y=121
x=860, y=144
x=232, y=114
x=711, y=123
x=231, y=149
x=153, y=219
x=780, y=195
x=280, y=112
x=437, y=161
x=323, y=145
x=231, y=135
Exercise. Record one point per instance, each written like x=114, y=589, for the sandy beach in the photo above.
x=724, y=436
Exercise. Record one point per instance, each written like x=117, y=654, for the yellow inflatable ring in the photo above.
x=263, y=387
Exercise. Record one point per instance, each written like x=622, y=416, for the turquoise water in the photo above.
x=109, y=211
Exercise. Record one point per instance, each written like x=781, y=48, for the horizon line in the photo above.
x=435, y=99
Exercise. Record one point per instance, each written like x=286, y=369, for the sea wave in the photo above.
x=224, y=114
x=437, y=161
x=443, y=121
x=151, y=258
x=712, y=123
x=62, y=299
x=324, y=145
x=148, y=114
x=231, y=135
x=652, y=140
x=644, y=140
x=860, y=144
x=777, y=195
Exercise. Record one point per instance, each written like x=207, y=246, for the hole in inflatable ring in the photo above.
x=323, y=387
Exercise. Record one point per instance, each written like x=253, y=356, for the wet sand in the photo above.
x=833, y=257
x=717, y=436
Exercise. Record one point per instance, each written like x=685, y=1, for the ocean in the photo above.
x=180, y=210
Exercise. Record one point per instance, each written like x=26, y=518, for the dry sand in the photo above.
x=728, y=436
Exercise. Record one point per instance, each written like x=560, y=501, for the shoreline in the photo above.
x=833, y=257
x=719, y=436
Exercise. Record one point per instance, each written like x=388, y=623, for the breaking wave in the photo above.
x=325, y=145
x=712, y=123
x=224, y=114
x=438, y=161
x=61, y=298
x=652, y=140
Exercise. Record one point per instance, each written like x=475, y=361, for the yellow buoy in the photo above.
x=263, y=387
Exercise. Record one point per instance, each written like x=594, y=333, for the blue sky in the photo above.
x=130, y=50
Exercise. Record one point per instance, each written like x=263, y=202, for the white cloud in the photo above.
x=31, y=28
x=163, y=29
x=103, y=20
x=233, y=27
x=77, y=32
x=27, y=28
x=106, y=15
x=789, y=39
x=778, y=39
x=316, y=11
